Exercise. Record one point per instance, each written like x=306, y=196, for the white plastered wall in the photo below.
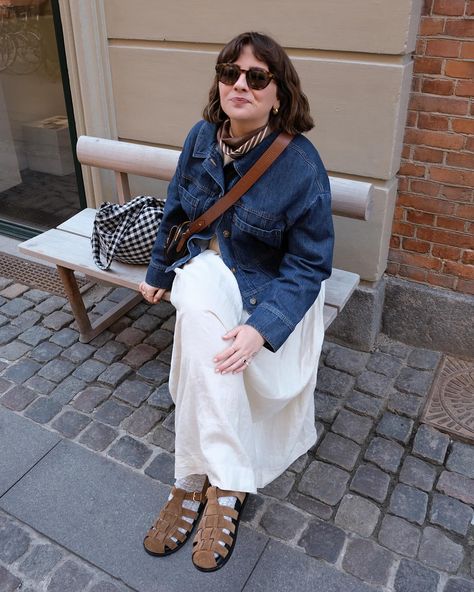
x=141, y=72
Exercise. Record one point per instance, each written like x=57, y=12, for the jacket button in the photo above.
x=233, y=270
x=226, y=234
x=253, y=301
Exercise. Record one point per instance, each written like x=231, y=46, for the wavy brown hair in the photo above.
x=293, y=115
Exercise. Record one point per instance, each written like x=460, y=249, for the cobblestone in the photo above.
x=36, y=295
x=88, y=399
x=456, y=486
x=165, y=355
x=395, y=427
x=385, y=454
x=70, y=423
x=14, y=291
x=413, y=577
x=459, y=585
x=45, y=351
x=67, y=389
x=112, y=413
x=13, y=350
x=131, y=336
x=14, y=541
x=15, y=307
x=281, y=486
x=8, y=333
x=324, y=482
x=371, y=482
x=70, y=577
x=424, y=359
x=57, y=320
x=161, y=398
x=147, y=323
x=310, y=505
x=43, y=409
x=18, y=398
x=368, y=561
x=26, y=320
x=374, y=384
x=5, y=385
x=130, y=451
x=299, y=464
x=365, y=404
x=50, y=305
x=334, y=382
x=338, y=450
x=89, y=370
x=22, y=370
x=430, y=444
x=169, y=422
x=56, y=370
x=143, y=420
x=417, y=382
x=409, y=502
x=461, y=459
x=399, y=536
x=418, y=473
x=160, y=339
x=35, y=335
x=439, y=551
x=282, y=521
x=347, y=360
x=154, y=371
x=450, y=513
x=325, y=406
x=8, y=582
x=384, y=364
x=405, y=404
x=357, y=515
x=79, y=352
x=97, y=436
x=323, y=540
x=169, y=324
x=110, y=352
x=65, y=337
x=133, y=392
x=162, y=468
x=40, y=561
x=115, y=374
x=139, y=355
x=163, y=438
x=352, y=426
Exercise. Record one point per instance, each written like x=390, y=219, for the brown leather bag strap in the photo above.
x=242, y=186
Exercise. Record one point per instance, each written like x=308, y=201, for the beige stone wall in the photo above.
x=354, y=59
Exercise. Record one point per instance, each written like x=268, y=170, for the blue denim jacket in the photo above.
x=277, y=239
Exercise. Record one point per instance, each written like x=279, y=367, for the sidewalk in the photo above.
x=86, y=439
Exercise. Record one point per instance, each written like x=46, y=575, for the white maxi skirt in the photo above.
x=241, y=430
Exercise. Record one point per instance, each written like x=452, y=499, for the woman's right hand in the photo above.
x=150, y=293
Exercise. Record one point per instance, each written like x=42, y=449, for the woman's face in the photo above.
x=247, y=109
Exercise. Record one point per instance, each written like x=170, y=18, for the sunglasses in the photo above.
x=257, y=78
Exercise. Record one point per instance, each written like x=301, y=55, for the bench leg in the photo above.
x=87, y=330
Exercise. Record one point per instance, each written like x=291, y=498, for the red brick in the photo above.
x=459, y=269
x=402, y=184
x=418, y=217
x=443, y=47
x=431, y=26
x=394, y=242
x=424, y=187
x=465, y=211
x=465, y=286
x=446, y=252
x=453, y=177
x=434, y=86
x=450, y=223
x=412, y=170
x=470, y=144
x=468, y=257
x=464, y=88
x=459, y=69
x=449, y=7
x=426, y=204
x=428, y=155
x=467, y=50
x=462, y=126
x=411, y=118
x=446, y=105
x=427, y=65
x=470, y=8
x=455, y=193
x=412, y=273
x=416, y=260
x=433, y=139
x=420, y=46
x=406, y=151
x=432, y=122
x=416, y=84
x=403, y=229
x=445, y=237
x=392, y=268
x=459, y=28
x=427, y=7
x=444, y=281
x=461, y=159
x=399, y=213
x=410, y=244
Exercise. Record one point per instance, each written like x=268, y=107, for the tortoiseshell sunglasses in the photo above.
x=257, y=78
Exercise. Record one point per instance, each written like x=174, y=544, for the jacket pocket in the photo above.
x=253, y=226
x=189, y=203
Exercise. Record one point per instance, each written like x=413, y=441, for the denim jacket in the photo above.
x=278, y=237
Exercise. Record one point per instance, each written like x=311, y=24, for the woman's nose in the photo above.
x=241, y=82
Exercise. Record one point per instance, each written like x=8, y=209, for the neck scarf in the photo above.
x=233, y=147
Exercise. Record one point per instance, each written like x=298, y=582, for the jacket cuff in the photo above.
x=271, y=327
x=159, y=278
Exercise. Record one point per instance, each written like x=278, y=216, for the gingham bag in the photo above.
x=126, y=232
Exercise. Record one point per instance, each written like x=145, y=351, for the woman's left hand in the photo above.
x=247, y=342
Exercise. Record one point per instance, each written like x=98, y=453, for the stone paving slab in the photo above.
x=100, y=510
x=22, y=444
x=282, y=568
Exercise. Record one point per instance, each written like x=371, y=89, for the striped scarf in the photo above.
x=233, y=147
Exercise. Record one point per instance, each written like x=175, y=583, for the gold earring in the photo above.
x=275, y=110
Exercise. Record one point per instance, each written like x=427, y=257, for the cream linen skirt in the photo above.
x=242, y=430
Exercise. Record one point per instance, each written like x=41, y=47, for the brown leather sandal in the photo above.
x=158, y=539
x=210, y=530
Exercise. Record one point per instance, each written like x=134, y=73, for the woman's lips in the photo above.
x=239, y=100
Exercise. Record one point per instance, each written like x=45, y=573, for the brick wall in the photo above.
x=433, y=230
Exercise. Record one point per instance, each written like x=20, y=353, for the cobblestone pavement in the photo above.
x=380, y=496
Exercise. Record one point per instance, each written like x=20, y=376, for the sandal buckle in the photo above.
x=197, y=496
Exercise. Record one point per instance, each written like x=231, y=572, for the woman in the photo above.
x=249, y=299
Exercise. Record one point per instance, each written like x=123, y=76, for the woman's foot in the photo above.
x=177, y=518
x=217, y=532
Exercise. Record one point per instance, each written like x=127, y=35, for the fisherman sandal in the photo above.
x=158, y=540
x=210, y=531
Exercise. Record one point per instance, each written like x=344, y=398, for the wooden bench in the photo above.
x=68, y=246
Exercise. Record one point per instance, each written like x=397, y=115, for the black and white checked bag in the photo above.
x=126, y=232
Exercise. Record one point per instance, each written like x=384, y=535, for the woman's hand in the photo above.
x=247, y=342
x=150, y=293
